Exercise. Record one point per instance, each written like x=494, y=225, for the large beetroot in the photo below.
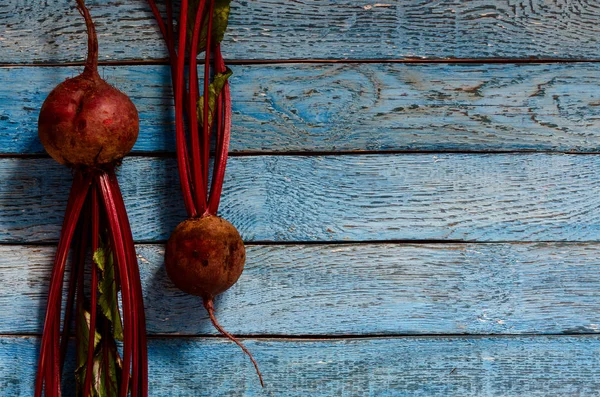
x=86, y=121
x=89, y=126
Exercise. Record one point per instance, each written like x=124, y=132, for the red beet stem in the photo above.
x=163, y=28
x=135, y=354
x=208, y=304
x=167, y=33
x=170, y=27
x=118, y=249
x=80, y=242
x=223, y=136
x=80, y=311
x=182, y=159
x=177, y=61
x=218, y=120
x=124, y=220
x=139, y=352
x=197, y=164
x=52, y=386
x=95, y=210
x=91, y=64
x=77, y=197
x=206, y=125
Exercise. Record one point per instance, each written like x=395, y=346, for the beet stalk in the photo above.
x=88, y=125
x=205, y=254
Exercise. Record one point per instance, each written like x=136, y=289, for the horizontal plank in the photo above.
x=474, y=197
x=360, y=289
x=478, y=367
x=349, y=29
x=328, y=107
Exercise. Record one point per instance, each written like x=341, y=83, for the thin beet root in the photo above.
x=208, y=305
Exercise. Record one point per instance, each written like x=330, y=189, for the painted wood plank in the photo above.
x=428, y=367
x=351, y=107
x=33, y=32
x=475, y=197
x=363, y=289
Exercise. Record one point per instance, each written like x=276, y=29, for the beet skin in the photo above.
x=86, y=121
x=205, y=256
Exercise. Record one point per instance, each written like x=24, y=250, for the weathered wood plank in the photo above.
x=348, y=29
x=361, y=289
x=352, y=107
x=475, y=197
x=428, y=367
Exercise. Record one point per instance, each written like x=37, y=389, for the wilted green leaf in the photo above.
x=107, y=290
x=107, y=371
x=83, y=334
x=219, y=23
x=214, y=90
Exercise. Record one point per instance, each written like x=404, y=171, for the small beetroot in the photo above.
x=205, y=256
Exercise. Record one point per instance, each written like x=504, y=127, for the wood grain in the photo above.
x=34, y=32
x=427, y=367
x=365, y=289
x=475, y=197
x=351, y=107
x=327, y=319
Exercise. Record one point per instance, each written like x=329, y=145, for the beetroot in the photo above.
x=205, y=256
x=88, y=125
x=86, y=121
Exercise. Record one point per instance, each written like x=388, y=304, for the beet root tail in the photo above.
x=208, y=305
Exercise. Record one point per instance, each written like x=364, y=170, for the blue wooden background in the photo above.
x=422, y=215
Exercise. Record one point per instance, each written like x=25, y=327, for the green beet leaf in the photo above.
x=219, y=23
x=107, y=290
x=107, y=371
x=83, y=334
x=214, y=90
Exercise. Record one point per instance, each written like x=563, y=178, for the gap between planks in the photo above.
x=331, y=153
x=34, y=243
x=342, y=337
x=478, y=61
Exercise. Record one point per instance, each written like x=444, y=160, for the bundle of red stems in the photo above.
x=95, y=213
x=193, y=149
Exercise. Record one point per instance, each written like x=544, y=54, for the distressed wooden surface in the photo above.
x=427, y=367
x=475, y=197
x=362, y=289
x=523, y=292
x=33, y=32
x=324, y=107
